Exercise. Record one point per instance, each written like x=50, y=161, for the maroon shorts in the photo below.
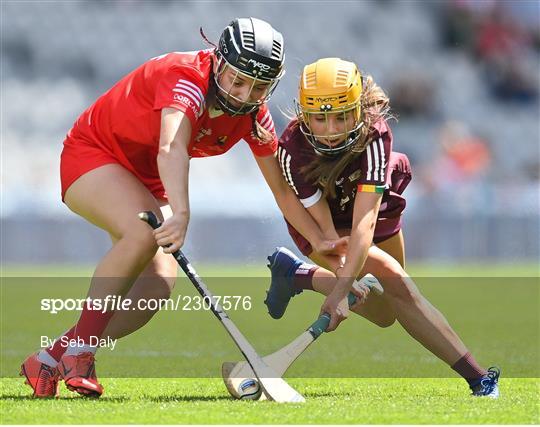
x=390, y=212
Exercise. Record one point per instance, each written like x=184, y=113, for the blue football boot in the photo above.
x=488, y=384
x=282, y=264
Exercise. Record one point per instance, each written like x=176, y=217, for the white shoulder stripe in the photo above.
x=194, y=86
x=376, y=163
x=269, y=126
x=285, y=164
x=310, y=201
x=288, y=170
x=267, y=118
x=282, y=156
x=369, y=162
x=383, y=159
x=187, y=88
x=187, y=82
x=265, y=115
x=281, y=153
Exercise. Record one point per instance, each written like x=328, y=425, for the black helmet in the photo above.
x=252, y=48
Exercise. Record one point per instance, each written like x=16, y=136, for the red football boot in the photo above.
x=79, y=374
x=41, y=377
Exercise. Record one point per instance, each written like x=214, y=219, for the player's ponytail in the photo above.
x=208, y=42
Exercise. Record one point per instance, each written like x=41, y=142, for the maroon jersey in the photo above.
x=377, y=169
x=367, y=173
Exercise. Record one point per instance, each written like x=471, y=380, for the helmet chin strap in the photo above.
x=326, y=151
x=233, y=111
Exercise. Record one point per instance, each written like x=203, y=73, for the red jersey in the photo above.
x=125, y=121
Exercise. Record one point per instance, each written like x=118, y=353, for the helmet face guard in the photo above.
x=230, y=103
x=331, y=87
x=253, y=50
x=348, y=136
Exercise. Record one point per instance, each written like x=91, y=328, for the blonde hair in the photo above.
x=375, y=106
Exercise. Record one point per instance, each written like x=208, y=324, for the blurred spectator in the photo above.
x=60, y=55
x=458, y=22
x=498, y=34
x=503, y=45
x=509, y=79
x=457, y=26
x=412, y=94
x=463, y=156
x=501, y=36
x=457, y=178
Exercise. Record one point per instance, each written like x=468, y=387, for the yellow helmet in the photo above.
x=330, y=86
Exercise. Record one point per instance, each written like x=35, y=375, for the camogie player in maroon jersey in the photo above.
x=337, y=157
x=130, y=152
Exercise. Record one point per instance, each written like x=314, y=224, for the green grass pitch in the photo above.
x=168, y=372
x=329, y=401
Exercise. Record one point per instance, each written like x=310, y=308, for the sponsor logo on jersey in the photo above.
x=185, y=100
x=190, y=94
x=343, y=203
x=355, y=175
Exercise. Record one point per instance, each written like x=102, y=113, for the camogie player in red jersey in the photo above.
x=129, y=152
x=337, y=157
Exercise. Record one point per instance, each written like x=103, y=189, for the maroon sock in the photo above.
x=303, y=276
x=469, y=369
x=57, y=350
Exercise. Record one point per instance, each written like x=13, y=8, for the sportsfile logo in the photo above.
x=119, y=303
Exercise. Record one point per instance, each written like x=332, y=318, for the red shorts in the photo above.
x=390, y=212
x=80, y=156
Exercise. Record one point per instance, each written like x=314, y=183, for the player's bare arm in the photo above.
x=320, y=212
x=293, y=210
x=173, y=165
x=366, y=209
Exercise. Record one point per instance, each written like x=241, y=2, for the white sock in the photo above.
x=75, y=349
x=44, y=357
x=303, y=269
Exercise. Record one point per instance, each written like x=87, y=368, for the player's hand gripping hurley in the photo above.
x=274, y=387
